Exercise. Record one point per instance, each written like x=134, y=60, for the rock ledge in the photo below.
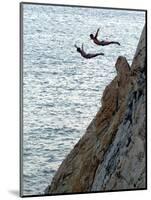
x=111, y=155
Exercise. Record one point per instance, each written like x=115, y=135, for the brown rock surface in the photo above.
x=111, y=154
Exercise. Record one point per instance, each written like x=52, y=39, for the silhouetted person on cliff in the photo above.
x=87, y=55
x=101, y=42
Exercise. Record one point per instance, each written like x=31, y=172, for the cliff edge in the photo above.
x=111, y=155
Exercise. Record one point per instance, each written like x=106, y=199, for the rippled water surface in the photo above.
x=62, y=90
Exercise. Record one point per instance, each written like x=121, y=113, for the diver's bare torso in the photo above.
x=98, y=42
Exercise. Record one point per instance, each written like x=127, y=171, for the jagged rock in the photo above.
x=111, y=154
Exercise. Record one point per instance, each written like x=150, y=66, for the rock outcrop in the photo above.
x=111, y=155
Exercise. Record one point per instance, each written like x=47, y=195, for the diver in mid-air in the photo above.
x=101, y=42
x=87, y=55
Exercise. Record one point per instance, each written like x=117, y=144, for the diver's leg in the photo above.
x=105, y=43
x=94, y=55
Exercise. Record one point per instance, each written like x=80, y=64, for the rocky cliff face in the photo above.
x=111, y=155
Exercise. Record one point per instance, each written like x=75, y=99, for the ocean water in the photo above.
x=62, y=90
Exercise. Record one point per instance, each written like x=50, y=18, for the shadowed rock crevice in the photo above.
x=111, y=154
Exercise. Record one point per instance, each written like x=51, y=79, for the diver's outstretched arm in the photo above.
x=82, y=47
x=76, y=46
x=96, y=35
